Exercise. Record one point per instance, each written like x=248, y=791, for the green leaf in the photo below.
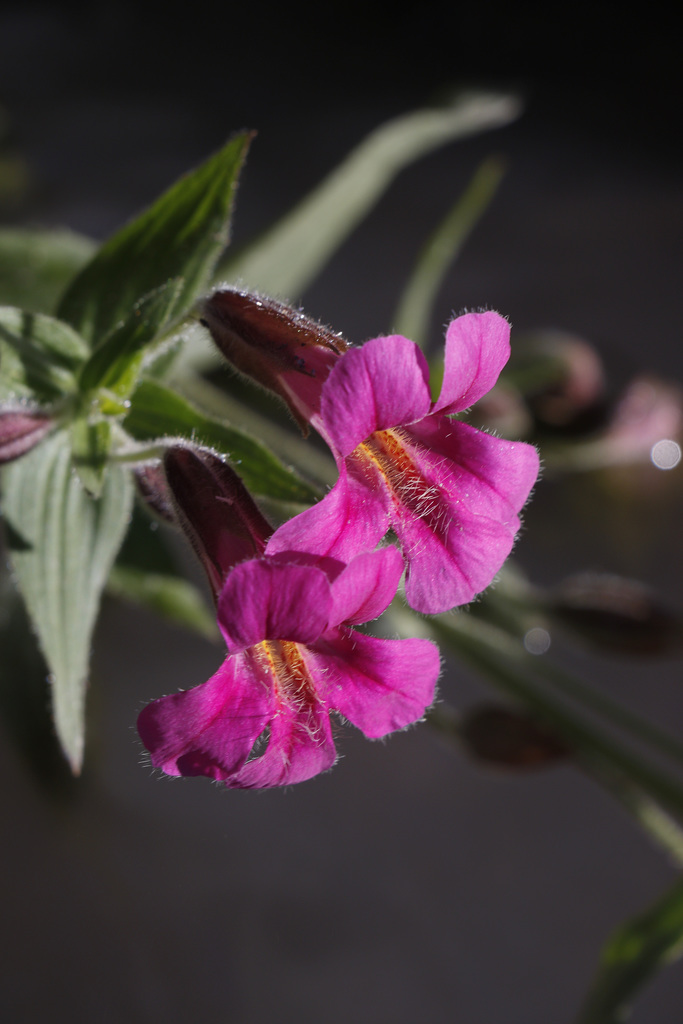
x=62, y=544
x=171, y=597
x=39, y=356
x=146, y=573
x=181, y=234
x=90, y=445
x=36, y=266
x=415, y=309
x=157, y=412
x=633, y=956
x=293, y=252
x=116, y=362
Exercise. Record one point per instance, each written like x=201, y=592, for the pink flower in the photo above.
x=264, y=718
x=451, y=494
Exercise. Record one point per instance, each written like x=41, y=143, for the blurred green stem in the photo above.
x=412, y=316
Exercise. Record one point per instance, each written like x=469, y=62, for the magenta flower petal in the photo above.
x=367, y=586
x=477, y=349
x=210, y=729
x=380, y=385
x=457, y=528
x=488, y=475
x=350, y=519
x=379, y=685
x=300, y=746
x=263, y=599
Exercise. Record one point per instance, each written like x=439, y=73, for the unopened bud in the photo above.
x=215, y=510
x=649, y=412
x=153, y=488
x=574, y=380
x=510, y=739
x=278, y=347
x=616, y=614
x=20, y=431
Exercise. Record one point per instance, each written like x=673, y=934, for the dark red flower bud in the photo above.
x=215, y=510
x=278, y=347
x=20, y=431
x=616, y=614
x=153, y=488
x=510, y=739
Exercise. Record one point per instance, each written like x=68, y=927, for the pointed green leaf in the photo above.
x=39, y=356
x=158, y=412
x=36, y=266
x=293, y=252
x=413, y=314
x=116, y=361
x=633, y=956
x=62, y=544
x=181, y=234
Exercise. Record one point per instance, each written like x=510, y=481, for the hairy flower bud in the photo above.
x=153, y=488
x=278, y=347
x=215, y=510
x=20, y=431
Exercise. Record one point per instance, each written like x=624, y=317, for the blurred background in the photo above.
x=409, y=884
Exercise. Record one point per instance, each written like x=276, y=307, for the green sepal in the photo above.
x=90, y=446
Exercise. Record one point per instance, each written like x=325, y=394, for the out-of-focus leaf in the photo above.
x=414, y=311
x=181, y=234
x=146, y=573
x=633, y=956
x=38, y=356
x=171, y=597
x=285, y=259
x=36, y=266
x=62, y=544
x=158, y=412
x=116, y=362
x=90, y=444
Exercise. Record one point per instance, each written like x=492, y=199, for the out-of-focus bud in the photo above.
x=215, y=510
x=278, y=347
x=649, y=412
x=502, y=411
x=570, y=374
x=20, y=431
x=616, y=614
x=510, y=739
x=153, y=488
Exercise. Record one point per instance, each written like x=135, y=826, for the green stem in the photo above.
x=506, y=615
x=493, y=653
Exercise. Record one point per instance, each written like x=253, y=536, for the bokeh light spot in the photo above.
x=665, y=454
x=537, y=640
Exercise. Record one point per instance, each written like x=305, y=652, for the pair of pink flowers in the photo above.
x=287, y=600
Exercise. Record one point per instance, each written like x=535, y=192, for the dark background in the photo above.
x=407, y=885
